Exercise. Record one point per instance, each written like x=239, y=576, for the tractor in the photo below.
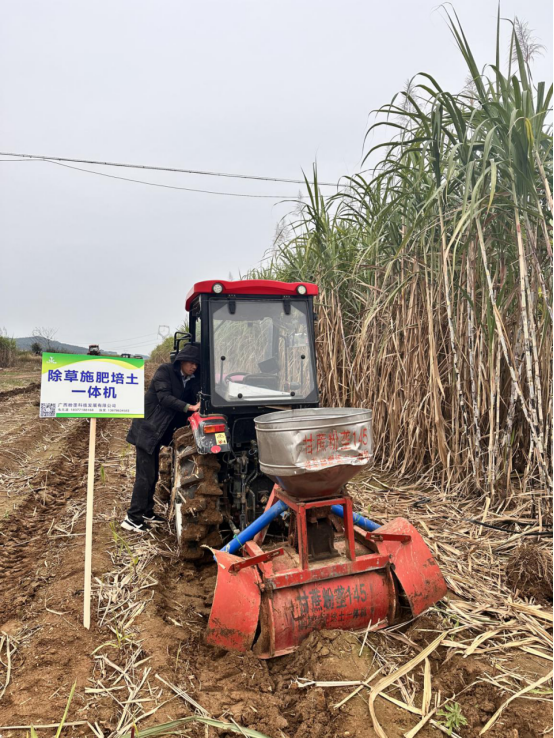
x=257, y=345
x=257, y=482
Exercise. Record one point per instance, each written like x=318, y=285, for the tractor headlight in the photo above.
x=301, y=289
x=217, y=288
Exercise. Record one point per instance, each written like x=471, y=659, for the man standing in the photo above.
x=171, y=397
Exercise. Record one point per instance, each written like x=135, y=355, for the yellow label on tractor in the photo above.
x=220, y=439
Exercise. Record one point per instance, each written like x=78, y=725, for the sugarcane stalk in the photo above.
x=492, y=400
x=544, y=178
x=453, y=347
x=502, y=338
x=532, y=240
x=471, y=354
x=538, y=440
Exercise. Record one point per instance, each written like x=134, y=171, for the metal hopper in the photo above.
x=337, y=569
x=312, y=453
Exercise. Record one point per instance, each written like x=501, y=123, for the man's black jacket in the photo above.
x=164, y=406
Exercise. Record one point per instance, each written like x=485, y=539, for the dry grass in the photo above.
x=121, y=671
x=474, y=558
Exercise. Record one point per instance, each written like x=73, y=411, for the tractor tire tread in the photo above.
x=194, y=481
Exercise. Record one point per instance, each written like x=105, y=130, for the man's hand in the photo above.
x=193, y=408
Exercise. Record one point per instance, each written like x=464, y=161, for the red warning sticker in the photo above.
x=215, y=449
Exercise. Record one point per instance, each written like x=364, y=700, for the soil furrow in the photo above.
x=19, y=391
x=33, y=519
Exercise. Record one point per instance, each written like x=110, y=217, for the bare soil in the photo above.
x=25, y=369
x=150, y=612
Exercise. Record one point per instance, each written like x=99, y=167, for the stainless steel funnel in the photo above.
x=312, y=453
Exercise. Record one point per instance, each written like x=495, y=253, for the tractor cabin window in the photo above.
x=261, y=352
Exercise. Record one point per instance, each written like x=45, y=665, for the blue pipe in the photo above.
x=259, y=524
x=359, y=520
x=264, y=520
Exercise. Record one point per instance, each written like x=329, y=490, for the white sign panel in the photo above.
x=75, y=386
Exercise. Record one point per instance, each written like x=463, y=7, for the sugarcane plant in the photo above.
x=435, y=269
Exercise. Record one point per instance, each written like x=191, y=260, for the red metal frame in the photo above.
x=303, y=573
x=300, y=509
x=380, y=537
x=259, y=538
x=255, y=560
x=249, y=287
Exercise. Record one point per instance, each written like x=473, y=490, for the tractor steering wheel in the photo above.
x=229, y=377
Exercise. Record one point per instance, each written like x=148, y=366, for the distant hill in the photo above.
x=24, y=344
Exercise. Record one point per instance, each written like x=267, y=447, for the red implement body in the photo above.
x=270, y=600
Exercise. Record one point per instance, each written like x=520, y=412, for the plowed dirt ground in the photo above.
x=149, y=616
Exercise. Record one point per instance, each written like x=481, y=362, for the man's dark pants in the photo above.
x=142, y=499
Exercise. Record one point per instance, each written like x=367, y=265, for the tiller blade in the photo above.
x=413, y=564
x=236, y=606
x=270, y=602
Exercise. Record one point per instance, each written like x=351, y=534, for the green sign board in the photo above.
x=76, y=386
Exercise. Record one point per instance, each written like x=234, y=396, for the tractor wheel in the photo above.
x=194, y=497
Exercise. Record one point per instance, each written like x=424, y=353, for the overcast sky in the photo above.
x=254, y=87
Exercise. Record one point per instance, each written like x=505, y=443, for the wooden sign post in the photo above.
x=84, y=386
x=88, y=528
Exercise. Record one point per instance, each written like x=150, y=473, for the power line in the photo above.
x=168, y=187
x=166, y=169
x=156, y=184
x=131, y=344
x=129, y=338
x=131, y=349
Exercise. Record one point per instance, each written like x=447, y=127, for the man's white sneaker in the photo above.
x=128, y=524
